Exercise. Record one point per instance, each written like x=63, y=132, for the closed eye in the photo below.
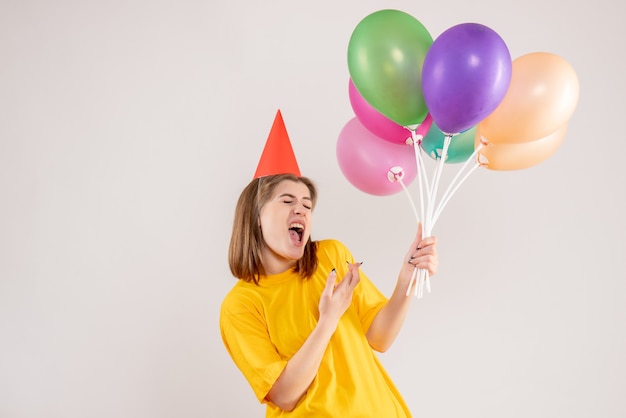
x=289, y=199
x=289, y=202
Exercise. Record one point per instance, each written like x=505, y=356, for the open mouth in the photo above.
x=296, y=231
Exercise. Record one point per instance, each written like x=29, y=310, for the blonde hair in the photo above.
x=246, y=240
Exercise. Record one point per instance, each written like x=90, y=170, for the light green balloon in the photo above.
x=385, y=59
x=460, y=149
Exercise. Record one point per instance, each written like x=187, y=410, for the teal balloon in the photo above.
x=386, y=53
x=460, y=149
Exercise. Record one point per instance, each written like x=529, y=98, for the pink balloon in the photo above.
x=424, y=127
x=371, y=164
x=377, y=123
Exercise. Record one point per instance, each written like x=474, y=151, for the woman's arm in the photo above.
x=387, y=323
x=302, y=368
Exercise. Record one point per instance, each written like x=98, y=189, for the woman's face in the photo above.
x=286, y=226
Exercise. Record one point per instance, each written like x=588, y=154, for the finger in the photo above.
x=414, y=245
x=422, y=260
x=428, y=241
x=355, y=277
x=426, y=250
x=354, y=267
x=426, y=262
x=355, y=281
x=420, y=233
x=345, y=281
x=427, y=247
x=330, y=281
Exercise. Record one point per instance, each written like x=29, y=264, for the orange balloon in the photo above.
x=518, y=156
x=542, y=96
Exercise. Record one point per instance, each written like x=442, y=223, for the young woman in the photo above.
x=302, y=321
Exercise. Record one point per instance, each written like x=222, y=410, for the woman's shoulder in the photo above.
x=240, y=298
x=333, y=248
x=330, y=243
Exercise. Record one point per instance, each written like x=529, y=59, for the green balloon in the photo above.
x=385, y=58
x=460, y=149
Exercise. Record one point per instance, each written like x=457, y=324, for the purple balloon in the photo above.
x=466, y=74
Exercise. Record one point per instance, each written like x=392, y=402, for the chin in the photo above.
x=297, y=254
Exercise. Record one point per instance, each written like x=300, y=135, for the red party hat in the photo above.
x=278, y=156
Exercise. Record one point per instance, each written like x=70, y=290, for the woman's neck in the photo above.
x=274, y=263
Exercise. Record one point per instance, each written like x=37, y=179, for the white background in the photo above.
x=128, y=129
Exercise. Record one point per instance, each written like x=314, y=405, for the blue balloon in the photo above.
x=465, y=76
x=460, y=149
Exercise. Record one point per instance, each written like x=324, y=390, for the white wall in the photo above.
x=128, y=129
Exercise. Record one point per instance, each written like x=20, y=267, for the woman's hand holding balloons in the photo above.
x=422, y=254
x=485, y=109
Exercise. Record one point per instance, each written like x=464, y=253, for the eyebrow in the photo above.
x=293, y=197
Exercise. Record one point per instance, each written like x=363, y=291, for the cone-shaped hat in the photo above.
x=278, y=156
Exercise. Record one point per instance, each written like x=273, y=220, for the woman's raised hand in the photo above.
x=336, y=297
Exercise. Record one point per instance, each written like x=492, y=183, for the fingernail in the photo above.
x=333, y=270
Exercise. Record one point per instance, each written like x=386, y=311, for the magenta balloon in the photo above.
x=365, y=160
x=377, y=123
x=466, y=74
x=424, y=127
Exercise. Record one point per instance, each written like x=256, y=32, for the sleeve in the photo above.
x=368, y=301
x=246, y=339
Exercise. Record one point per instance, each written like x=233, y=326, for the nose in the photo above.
x=299, y=209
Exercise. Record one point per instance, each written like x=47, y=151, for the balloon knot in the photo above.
x=395, y=174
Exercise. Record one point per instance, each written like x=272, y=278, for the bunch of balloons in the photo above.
x=459, y=98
